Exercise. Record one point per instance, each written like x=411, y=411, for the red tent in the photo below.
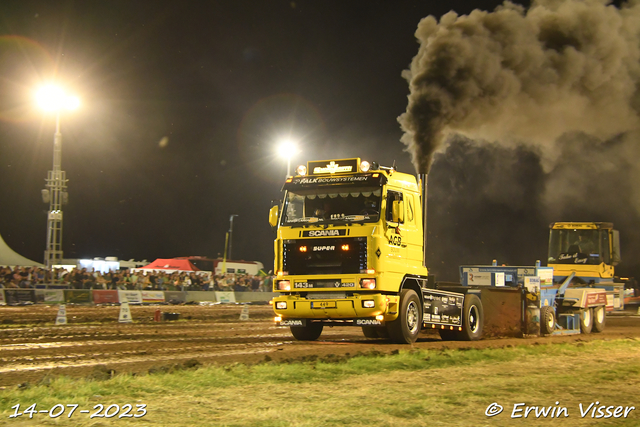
x=171, y=265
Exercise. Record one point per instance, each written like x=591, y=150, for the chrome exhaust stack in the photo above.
x=423, y=197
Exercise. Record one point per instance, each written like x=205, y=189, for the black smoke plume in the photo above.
x=527, y=76
x=528, y=117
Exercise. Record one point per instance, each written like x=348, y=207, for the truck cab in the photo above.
x=589, y=250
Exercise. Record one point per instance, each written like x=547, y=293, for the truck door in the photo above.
x=412, y=238
x=396, y=230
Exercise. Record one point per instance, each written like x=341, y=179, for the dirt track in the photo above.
x=94, y=344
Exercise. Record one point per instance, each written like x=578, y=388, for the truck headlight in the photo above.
x=368, y=303
x=284, y=285
x=368, y=283
x=281, y=305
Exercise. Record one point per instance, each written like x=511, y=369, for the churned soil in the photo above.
x=94, y=344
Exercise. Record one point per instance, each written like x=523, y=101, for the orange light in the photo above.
x=270, y=302
x=371, y=271
x=277, y=318
x=303, y=249
x=375, y=175
x=368, y=283
x=284, y=285
x=345, y=247
x=279, y=274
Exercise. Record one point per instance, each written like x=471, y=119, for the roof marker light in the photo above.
x=301, y=170
x=365, y=166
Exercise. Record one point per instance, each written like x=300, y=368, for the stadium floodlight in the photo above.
x=54, y=99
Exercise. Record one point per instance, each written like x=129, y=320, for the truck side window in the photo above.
x=391, y=197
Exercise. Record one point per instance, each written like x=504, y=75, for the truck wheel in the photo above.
x=370, y=331
x=405, y=329
x=586, y=321
x=473, y=319
x=599, y=318
x=547, y=320
x=311, y=332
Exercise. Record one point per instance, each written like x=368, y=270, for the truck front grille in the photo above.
x=325, y=256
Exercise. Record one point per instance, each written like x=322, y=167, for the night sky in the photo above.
x=183, y=104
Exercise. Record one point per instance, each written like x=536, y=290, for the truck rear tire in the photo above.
x=586, y=321
x=405, y=329
x=473, y=319
x=547, y=320
x=311, y=332
x=599, y=318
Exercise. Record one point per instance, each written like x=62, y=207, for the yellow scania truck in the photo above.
x=349, y=251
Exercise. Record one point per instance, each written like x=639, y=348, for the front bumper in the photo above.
x=358, y=306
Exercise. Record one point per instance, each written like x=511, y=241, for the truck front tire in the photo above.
x=405, y=329
x=311, y=332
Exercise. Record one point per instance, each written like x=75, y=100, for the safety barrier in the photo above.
x=88, y=296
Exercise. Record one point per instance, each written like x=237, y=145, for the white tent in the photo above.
x=9, y=257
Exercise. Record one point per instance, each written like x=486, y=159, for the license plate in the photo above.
x=323, y=304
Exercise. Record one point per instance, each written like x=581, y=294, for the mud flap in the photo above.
x=502, y=311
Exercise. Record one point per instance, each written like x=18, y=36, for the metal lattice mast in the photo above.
x=57, y=195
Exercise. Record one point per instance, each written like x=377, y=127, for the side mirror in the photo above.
x=273, y=216
x=398, y=211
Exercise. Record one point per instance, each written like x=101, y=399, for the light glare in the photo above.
x=71, y=103
x=53, y=98
x=287, y=148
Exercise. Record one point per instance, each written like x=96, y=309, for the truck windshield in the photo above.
x=575, y=246
x=329, y=205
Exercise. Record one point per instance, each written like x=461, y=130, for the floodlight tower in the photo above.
x=53, y=99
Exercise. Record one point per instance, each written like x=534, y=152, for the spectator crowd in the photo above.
x=131, y=279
